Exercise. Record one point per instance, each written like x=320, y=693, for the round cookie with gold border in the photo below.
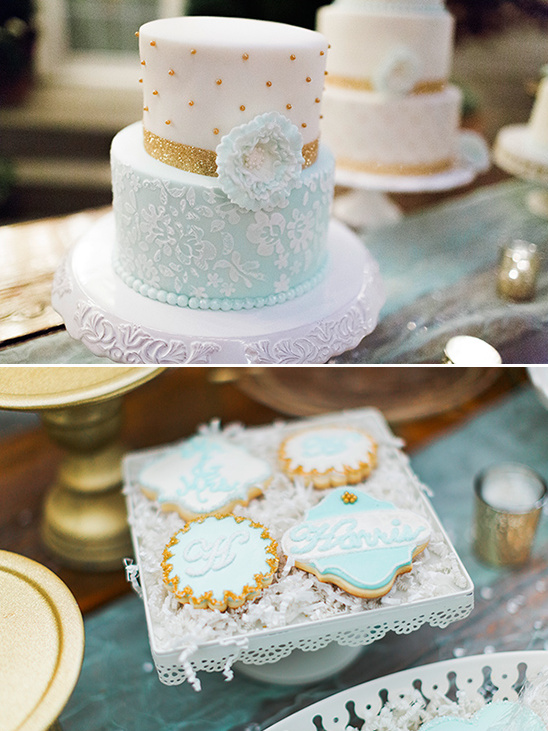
x=219, y=562
x=329, y=456
x=204, y=475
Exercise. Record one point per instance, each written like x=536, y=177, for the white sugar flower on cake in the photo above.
x=260, y=163
x=398, y=72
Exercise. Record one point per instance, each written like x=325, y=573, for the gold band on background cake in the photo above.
x=347, y=82
x=197, y=159
x=438, y=166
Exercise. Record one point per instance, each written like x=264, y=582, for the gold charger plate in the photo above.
x=41, y=644
x=42, y=387
x=402, y=394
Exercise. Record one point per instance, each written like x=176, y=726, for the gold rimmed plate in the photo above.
x=41, y=644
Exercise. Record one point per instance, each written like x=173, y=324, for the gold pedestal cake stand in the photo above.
x=84, y=522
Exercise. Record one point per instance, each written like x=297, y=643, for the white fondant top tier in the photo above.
x=372, y=38
x=538, y=122
x=202, y=76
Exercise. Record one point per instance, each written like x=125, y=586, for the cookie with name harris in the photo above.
x=357, y=542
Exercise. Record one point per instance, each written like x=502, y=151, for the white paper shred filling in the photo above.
x=294, y=596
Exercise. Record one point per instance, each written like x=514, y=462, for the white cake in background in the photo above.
x=388, y=106
x=222, y=194
x=522, y=149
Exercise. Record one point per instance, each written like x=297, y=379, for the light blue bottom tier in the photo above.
x=180, y=240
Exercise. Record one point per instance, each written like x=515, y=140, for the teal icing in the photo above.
x=314, y=444
x=219, y=555
x=372, y=565
x=180, y=240
x=203, y=474
x=365, y=543
x=495, y=715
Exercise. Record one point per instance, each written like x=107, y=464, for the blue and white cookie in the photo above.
x=508, y=715
x=204, y=475
x=356, y=542
x=219, y=562
x=329, y=456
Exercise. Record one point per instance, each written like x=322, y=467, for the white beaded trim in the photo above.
x=224, y=304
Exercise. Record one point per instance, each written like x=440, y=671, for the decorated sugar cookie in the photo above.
x=354, y=541
x=500, y=715
x=329, y=456
x=219, y=562
x=204, y=475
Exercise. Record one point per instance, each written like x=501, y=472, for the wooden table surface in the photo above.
x=166, y=409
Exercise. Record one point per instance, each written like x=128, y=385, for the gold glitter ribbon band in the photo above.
x=198, y=160
x=422, y=87
x=439, y=166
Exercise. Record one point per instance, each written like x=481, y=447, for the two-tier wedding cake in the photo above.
x=389, y=108
x=222, y=195
x=220, y=246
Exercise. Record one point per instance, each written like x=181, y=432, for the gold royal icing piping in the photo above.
x=230, y=599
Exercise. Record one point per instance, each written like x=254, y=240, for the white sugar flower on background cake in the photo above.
x=260, y=163
x=398, y=72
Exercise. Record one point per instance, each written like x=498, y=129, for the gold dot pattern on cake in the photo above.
x=317, y=100
x=303, y=124
x=145, y=109
x=168, y=121
x=143, y=63
x=245, y=56
x=289, y=106
x=269, y=83
x=140, y=81
x=136, y=34
x=153, y=43
x=293, y=57
x=216, y=131
x=219, y=82
x=191, y=103
x=155, y=92
x=349, y=497
x=308, y=79
x=322, y=53
x=242, y=107
x=171, y=72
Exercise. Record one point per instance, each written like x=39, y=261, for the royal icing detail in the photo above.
x=496, y=715
x=356, y=541
x=219, y=561
x=204, y=475
x=329, y=449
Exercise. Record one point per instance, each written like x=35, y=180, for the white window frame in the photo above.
x=57, y=63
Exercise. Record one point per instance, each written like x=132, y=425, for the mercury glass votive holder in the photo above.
x=509, y=501
x=518, y=271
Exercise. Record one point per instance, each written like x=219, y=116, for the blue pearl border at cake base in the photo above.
x=113, y=320
x=221, y=303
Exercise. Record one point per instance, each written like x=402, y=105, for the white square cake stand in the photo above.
x=114, y=321
x=313, y=649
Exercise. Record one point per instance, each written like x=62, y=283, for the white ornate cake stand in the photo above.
x=114, y=321
x=368, y=206
x=516, y=154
